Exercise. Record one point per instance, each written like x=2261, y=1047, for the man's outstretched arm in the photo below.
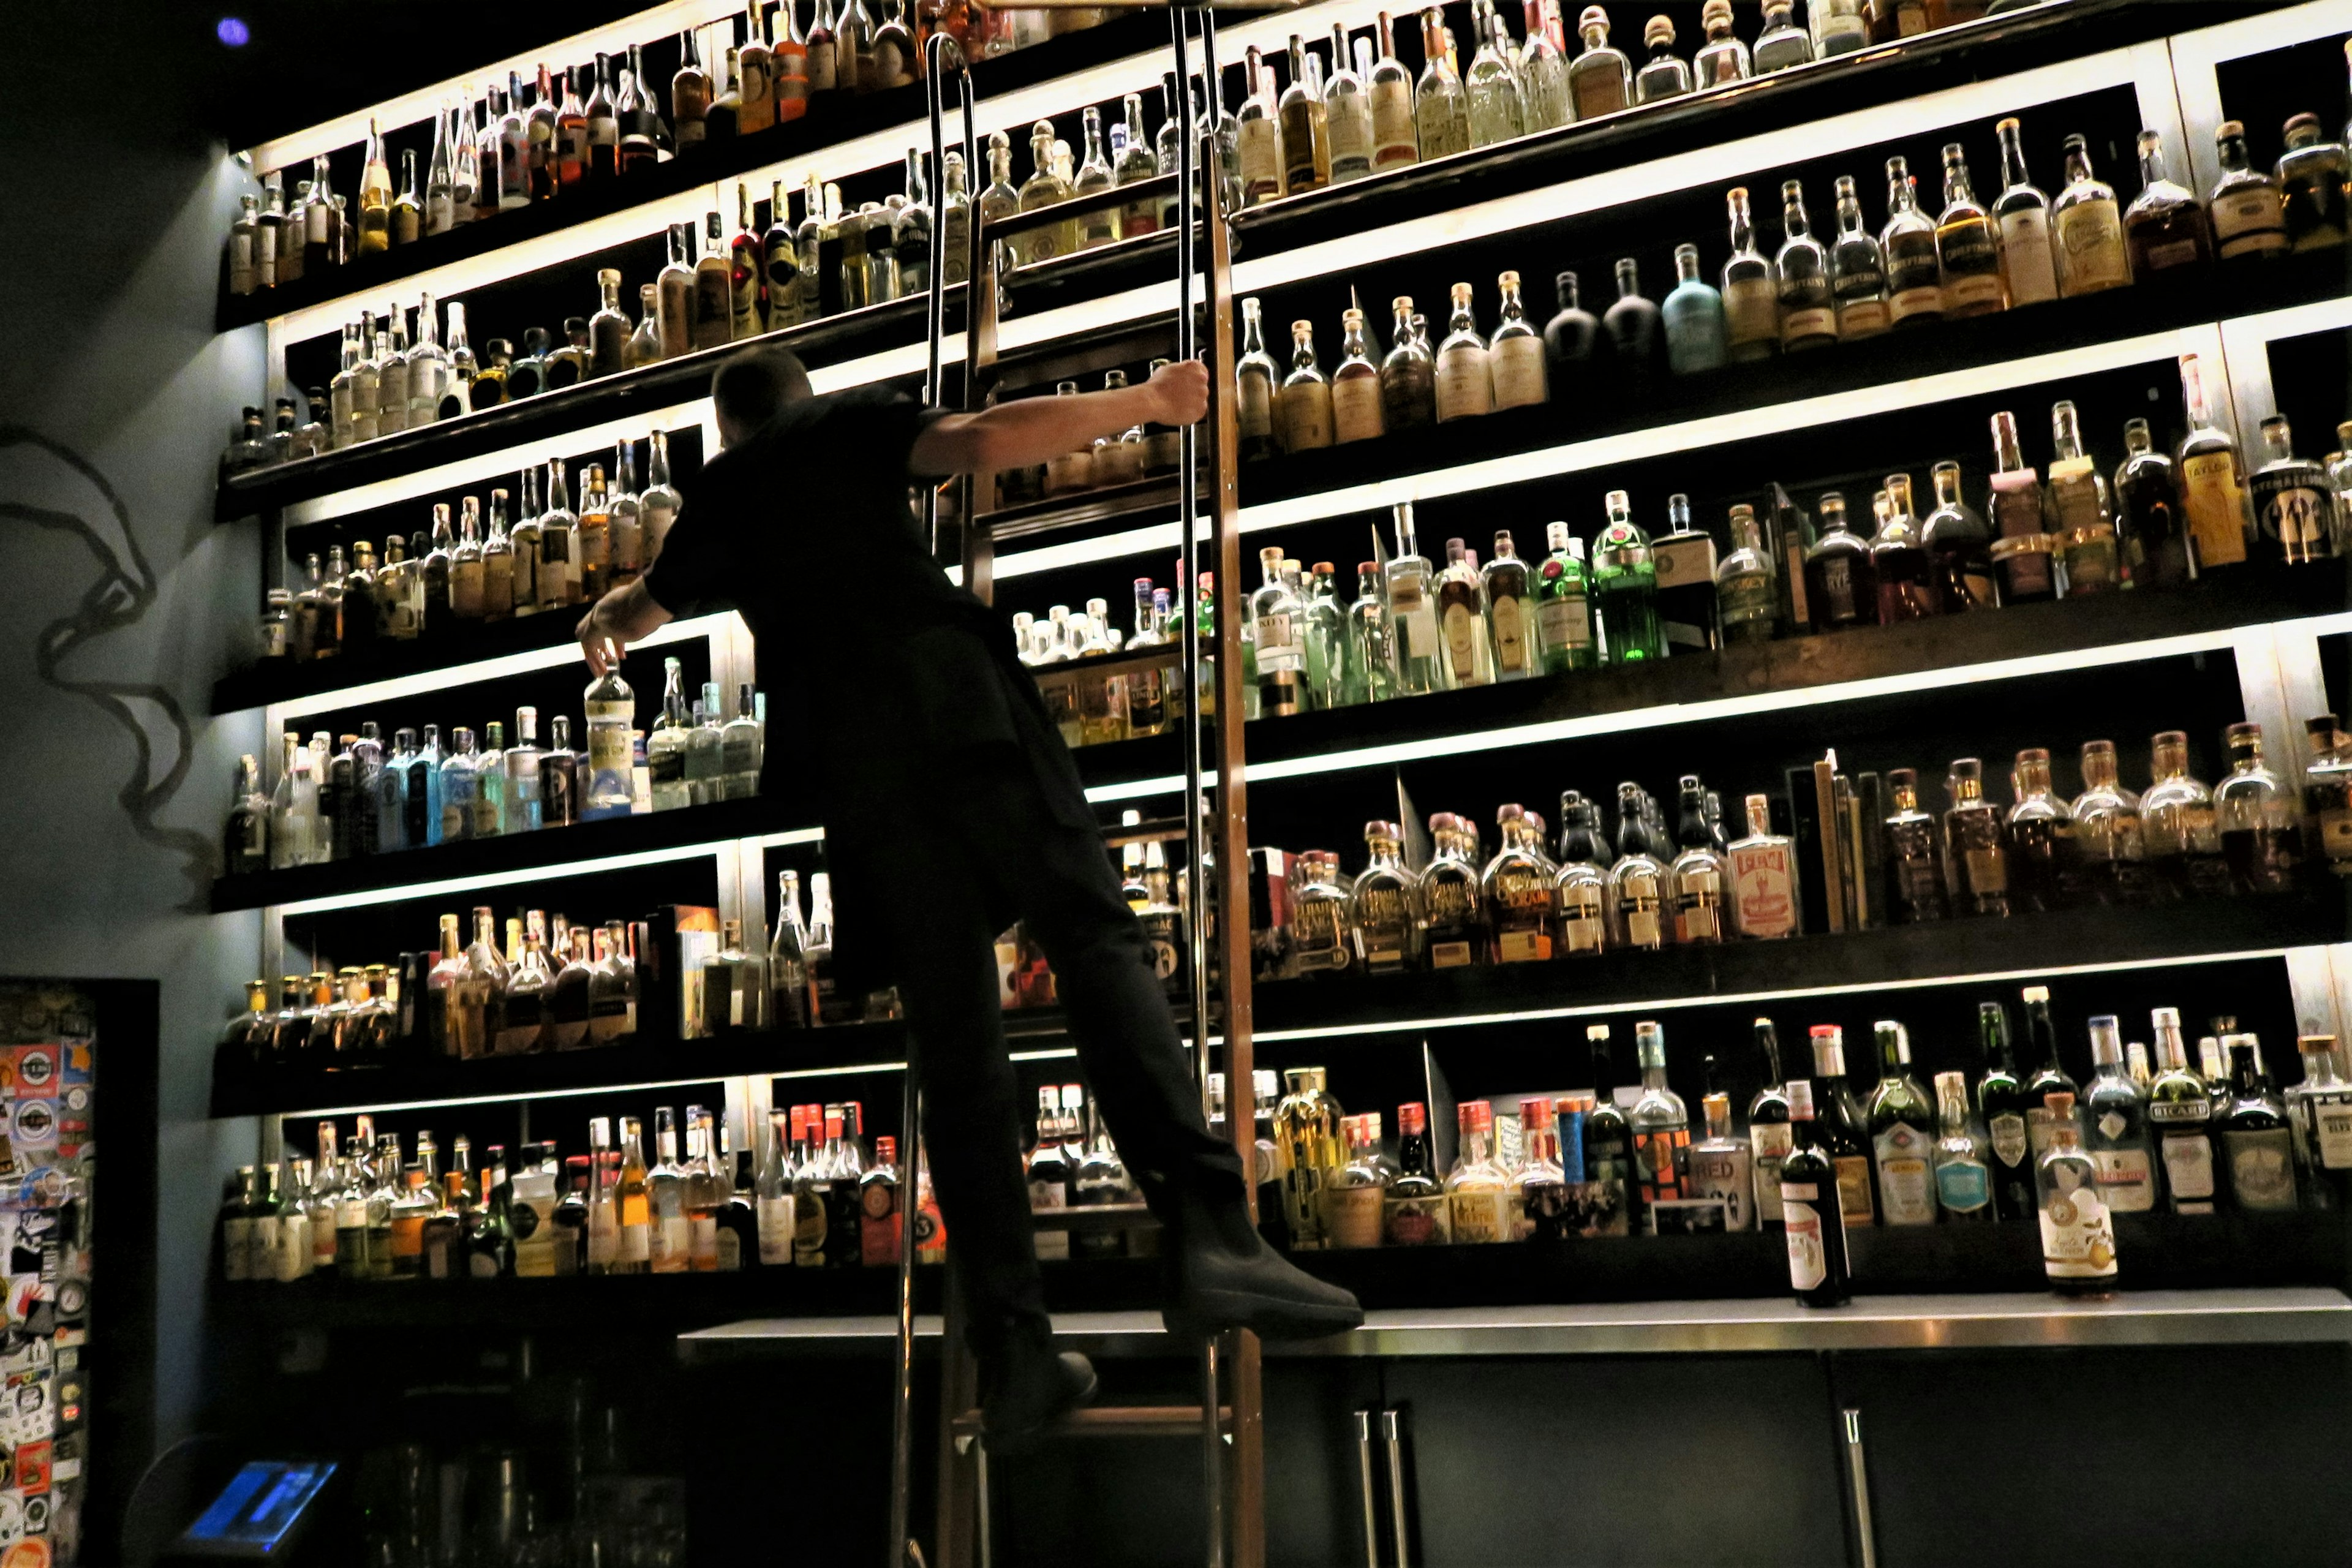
x=1030, y=430
x=625, y=615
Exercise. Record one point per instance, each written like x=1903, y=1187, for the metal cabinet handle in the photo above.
x=1857, y=1472
x=1364, y=1483
x=1393, y=1442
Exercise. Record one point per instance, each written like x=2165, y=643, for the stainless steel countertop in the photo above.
x=2299, y=1314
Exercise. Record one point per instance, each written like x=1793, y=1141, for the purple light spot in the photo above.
x=233, y=32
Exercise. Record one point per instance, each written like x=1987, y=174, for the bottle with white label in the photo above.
x=1306, y=396
x=2021, y=212
x=1478, y=1197
x=775, y=1190
x=1902, y=1133
x=1276, y=615
x=1355, y=386
x=1413, y=611
x=1810, y=1213
x=2088, y=226
x=670, y=1237
x=2321, y=1106
x=1963, y=1170
x=1580, y=885
x=1721, y=1166
x=2180, y=1115
x=1466, y=378
x=1510, y=621
x=1563, y=603
x=236, y=1226
x=1639, y=914
x=2078, y=1238
x=2116, y=1130
x=1516, y=357
x=1762, y=868
x=2257, y=1140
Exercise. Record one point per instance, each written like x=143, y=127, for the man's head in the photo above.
x=753, y=388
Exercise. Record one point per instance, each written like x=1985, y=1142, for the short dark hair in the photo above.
x=751, y=388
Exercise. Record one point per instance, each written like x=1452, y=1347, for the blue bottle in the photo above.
x=1694, y=313
x=391, y=794
x=424, y=799
x=459, y=791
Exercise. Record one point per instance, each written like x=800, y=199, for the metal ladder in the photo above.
x=1227, y=1418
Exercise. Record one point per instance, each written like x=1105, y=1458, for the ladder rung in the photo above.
x=1118, y=1421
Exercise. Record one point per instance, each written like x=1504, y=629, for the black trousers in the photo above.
x=1017, y=833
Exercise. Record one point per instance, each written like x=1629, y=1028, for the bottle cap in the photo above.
x=1656, y=31
x=1800, y=1092
x=1535, y=1112
x=2315, y=1044
x=2059, y=1102
x=1475, y=1116
x=1412, y=1119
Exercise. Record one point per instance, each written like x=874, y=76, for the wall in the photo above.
x=123, y=596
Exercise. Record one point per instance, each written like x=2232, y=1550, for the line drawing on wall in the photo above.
x=122, y=594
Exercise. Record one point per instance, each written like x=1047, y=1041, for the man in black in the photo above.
x=951, y=808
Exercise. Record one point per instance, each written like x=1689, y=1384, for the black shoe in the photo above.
x=1227, y=1276
x=1025, y=1387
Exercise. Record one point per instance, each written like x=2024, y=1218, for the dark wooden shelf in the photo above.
x=2088, y=937
x=553, y=849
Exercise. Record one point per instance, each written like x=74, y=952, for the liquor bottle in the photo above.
x=1751, y=295
x=1841, y=578
x=1692, y=317
x=1414, y=1207
x=1857, y=270
x=1563, y=612
x=1407, y=374
x=1383, y=905
x=1969, y=246
x=2311, y=174
x=1543, y=68
x=2050, y=1077
x=2107, y=835
x=1518, y=354
x=1976, y=845
x=1907, y=580
x=1763, y=870
x=2044, y=871
x=1413, y=608
x=1609, y=1194
x=2245, y=206
x=375, y=198
x=1479, y=1201
x=1839, y=1130
x=1259, y=127
x=1721, y=1167
x=1305, y=416
x=1511, y=630
x=2212, y=479
x=1492, y=85
x=1723, y=57
x=1516, y=892
x=1388, y=89
x=1599, y=80
x=1769, y=1131
x=1580, y=883
x=2321, y=1109
x=2152, y=529
x=1807, y=292
x=1440, y=107
x=1256, y=377
x=1276, y=614
x=1469, y=656
x=2116, y=1113
x=1625, y=581
x=1781, y=43
x=1915, y=293
x=2258, y=817
x=2002, y=1100
x=1640, y=905
x=1096, y=174
x=1354, y=386
x=2178, y=824
x=1572, y=338
x=2164, y=227
x=1810, y=1189
x=2293, y=506
x=1664, y=74
x=1903, y=1141
x=1634, y=329
x=2022, y=214
x=2087, y=229
x=1370, y=633
x=1697, y=879
x=2327, y=796
x=2078, y=1238
x=1306, y=133
x=1465, y=377
x=2257, y=1137
x=1963, y=1168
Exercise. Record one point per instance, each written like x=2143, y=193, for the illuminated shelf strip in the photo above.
x=879, y=149
x=1635, y=719
x=502, y=464
x=394, y=688
x=791, y=836
x=414, y=107
x=1752, y=998
x=1636, y=445
x=450, y=886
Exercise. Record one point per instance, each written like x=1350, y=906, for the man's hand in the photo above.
x=1182, y=389
x=622, y=617
x=601, y=648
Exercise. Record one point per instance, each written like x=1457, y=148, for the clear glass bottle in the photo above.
x=1781, y=44
x=2212, y=479
x=1478, y=1194
x=1517, y=355
x=2178, y=825
x=2151, y=526
x=2165, y=225
x=1492, y=86
x=1751, y=293
x=1516, y=892
x=1512, y=630
x=1256, y=377
x=1276, y=614
x=1413, y=607
x=1354, y=386
x=1599, y=80
x=1696, y=880
x=2248, y=214
x=1762, y=868
x=1664, y=74
x=2107, y=833
x=2311, y=176
x=1454, y=926
x=1306, y=416
x=1384, y=905
x=2078, y=1237
x=2258, y=817
x=1746, y=607
x=1469, y=656
x=1543, y=68
x=2115, y=1125
x=1464, y=373
x=1723, y=57
x=2081, y=521
x=1441, y=106
x=2087, y=229
x=2321, y=1108
x=2327, y=796
x=1043, y=188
